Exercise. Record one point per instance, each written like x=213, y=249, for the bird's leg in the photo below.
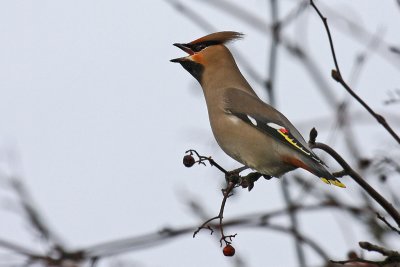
x=239, y=170
x=249, y=179
x=234, y=175
x=245, y=181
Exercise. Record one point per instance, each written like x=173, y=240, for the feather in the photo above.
x=219, y=38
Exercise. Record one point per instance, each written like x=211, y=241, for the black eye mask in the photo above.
x=200, y=46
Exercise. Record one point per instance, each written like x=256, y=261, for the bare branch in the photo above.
x=392, y=257
x=358, y=179
x=293, y=221
x=337, y=76
x=386, y=252
x=206, y=225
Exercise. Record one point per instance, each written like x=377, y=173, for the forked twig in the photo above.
x=233, y=179
x=227, y=193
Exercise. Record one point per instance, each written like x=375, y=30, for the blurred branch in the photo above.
x=356, y=177
x=189, y=13
x=154, y=239
x=291, y=16
x=273, y=53
x=337, y=76
x=240, y=13
x=50, y=259
x=34, y=217
x=293, y=221
x=394, y=97
x=393, y=257
x=95, y=253
x=364, y=213
x=354, y=30
x=135, y=243
x=303, y=239
x=17, y=248
x=380, y=217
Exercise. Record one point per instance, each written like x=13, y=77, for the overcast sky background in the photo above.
x=96, y=120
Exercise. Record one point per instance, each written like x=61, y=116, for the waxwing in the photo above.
x=247, y=129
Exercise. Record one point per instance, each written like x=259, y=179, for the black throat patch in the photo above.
x=194, y=68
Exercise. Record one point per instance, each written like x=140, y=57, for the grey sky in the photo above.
x=99, y=120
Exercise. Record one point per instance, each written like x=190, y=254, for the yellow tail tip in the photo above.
x=325, y=180
x=334, y=182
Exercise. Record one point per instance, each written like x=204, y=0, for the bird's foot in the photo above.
x=248, y=180
x=234, y=175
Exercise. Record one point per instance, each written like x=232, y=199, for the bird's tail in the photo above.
x=319, y=170
x=326, y=176
x=333, y=181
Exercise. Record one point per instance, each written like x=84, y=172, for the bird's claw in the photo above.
x=249, y=179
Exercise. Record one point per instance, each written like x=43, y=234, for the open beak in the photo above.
x=185, y=48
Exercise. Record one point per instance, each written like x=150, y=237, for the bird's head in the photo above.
x=206, y=52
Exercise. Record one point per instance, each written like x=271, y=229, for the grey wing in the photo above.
x=266, y=119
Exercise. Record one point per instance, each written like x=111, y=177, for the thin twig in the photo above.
x=384, y=251
x=209, y=159
x=337, y=76
x=380, y=217
x=227, y=193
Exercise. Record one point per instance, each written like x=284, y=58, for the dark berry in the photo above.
x=188, y=161
x=228, y=251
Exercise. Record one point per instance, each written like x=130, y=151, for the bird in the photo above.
x=247, y=129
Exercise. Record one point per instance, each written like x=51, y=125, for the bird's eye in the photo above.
x=199, y=47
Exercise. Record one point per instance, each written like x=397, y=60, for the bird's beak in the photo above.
x=185, y=48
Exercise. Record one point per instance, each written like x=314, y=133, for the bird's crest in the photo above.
x=219, y=38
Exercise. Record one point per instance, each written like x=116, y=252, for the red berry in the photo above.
x=188, y=161
x=228, y=251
